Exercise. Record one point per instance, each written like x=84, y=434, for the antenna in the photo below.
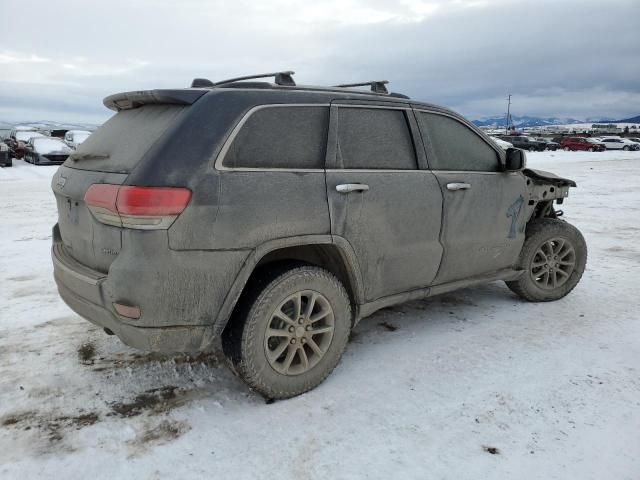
x=508, y=113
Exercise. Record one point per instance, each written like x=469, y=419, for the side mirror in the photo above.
x=516, y=160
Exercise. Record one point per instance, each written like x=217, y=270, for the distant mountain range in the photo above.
x=527, y=121
x=635, y=119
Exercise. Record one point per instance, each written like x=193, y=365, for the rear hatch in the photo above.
x=106, y=157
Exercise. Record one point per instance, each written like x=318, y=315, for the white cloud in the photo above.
x=558, y=58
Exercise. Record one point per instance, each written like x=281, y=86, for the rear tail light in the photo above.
x=144, y=208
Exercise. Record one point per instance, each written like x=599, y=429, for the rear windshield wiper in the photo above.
x=88, y=156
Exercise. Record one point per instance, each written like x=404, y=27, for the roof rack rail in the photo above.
x=377, y=86
x=281, y=78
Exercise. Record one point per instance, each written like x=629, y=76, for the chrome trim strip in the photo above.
x=382, y=107
x=234, y=133
x=453, y=172
x=372, y=170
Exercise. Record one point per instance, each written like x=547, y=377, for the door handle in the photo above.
x=352, y=187
x=458, y=186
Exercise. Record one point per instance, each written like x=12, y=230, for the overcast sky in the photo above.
x=558, y=58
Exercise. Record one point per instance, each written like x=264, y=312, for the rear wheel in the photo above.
x=566, y=149
x=553, y=258
x=626, y=148
x=289, y=332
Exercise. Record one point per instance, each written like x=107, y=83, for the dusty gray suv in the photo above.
x=269, y=218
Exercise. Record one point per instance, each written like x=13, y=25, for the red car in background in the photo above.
x=581, y=143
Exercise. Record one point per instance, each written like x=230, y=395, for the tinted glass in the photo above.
x=455, y=146
x=281, y=137
x=373, y=138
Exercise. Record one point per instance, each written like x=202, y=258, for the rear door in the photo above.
x=272, y=176
x=483, y=218
x=380, y=201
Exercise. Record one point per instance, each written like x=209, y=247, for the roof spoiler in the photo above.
x=130, y=100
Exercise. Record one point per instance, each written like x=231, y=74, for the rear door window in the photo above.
x=286, y=137
x=455, y=146
x=375, y=138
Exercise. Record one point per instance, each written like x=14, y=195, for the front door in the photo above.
x=484, y=208
x=380, y=201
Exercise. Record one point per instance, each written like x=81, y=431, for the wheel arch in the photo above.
x=333, y=253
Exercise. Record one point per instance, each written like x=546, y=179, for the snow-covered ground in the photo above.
x=425, y=390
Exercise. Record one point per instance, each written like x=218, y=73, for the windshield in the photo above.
x=49, y=145
x=592, y=140
x=23, y=136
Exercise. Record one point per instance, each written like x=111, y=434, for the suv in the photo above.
x=549, y=144
x=617, y=143
x=581, y=143
x=525, y=143
x=268, y=219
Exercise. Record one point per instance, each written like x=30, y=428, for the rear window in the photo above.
x=49, y=145
x=124, y=139
x=281, y=137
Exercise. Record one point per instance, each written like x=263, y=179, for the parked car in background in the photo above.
x=580, y=143
x=58, y=132
x=46, y=150
x=19, y=138
x=523, y=142
x=5, y=158
x=620, y=144
x=502, y=143
x=597, y=141
x=634, y=140
x=5, y=133
x=550, y=144
x=73, y=138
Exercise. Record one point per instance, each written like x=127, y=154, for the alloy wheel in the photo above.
x=299, y=332
x=553, y=263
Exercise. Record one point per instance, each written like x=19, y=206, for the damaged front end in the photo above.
x=545, y=188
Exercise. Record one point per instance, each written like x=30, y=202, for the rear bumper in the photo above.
x=82, y=289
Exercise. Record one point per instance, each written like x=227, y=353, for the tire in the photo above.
x=295, y=367
x=543, y=244
x=566, y=149
x=625, y=148
x=591, y=149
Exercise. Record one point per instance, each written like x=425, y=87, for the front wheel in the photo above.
x=290, y=331
x=625, y=148
x=553, y=258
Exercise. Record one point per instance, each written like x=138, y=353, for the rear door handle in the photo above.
x=352, y=187
x=458, y=186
